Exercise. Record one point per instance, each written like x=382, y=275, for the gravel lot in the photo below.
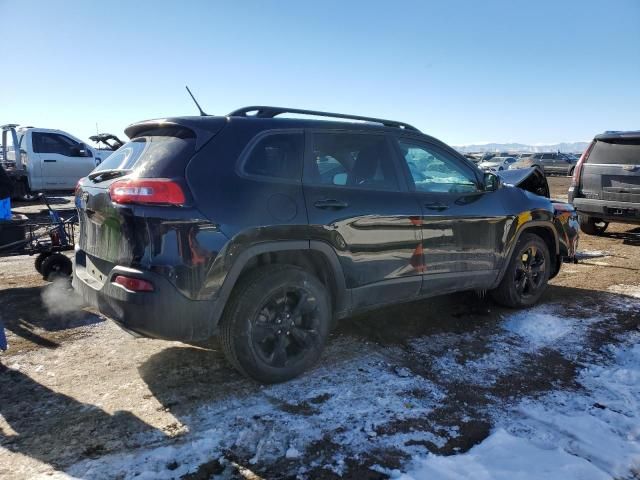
x=80, y=397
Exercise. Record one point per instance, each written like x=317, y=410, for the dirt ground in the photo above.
x=78, y=395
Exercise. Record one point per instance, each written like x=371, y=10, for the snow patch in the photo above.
x=586, y=254
x=349, y=409
x=503, y=456
x=629, y=290
x=590, y=434
x=541, y=327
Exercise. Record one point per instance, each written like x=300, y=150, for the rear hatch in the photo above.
x=124, y=203
x=611, y=170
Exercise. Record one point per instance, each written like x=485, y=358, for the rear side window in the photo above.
x=278, y=155
x=352, y=160
x=622, y=152
x=155, y=152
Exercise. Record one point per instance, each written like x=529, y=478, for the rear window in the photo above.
x=156, y=152
x=621, y=152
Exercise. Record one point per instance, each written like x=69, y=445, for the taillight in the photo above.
x=156, y=191
x=575, y=181
x=133, y=284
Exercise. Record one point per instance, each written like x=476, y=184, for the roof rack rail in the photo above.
x=271, y=112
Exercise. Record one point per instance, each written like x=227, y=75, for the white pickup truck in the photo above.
x=48, y=160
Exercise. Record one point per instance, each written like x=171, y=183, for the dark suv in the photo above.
x=550, y=162
x=606, y=182
x=265, y=230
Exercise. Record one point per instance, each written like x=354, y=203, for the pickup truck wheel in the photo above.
x=592, y=226
x=276, y=323
x=527, y=274
x=56, y=265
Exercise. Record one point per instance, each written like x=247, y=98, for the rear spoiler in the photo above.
x=204, y=128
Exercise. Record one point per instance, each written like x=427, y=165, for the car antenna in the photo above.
x=202, y=113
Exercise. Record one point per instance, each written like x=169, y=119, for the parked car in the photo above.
x=48, y=160
x=265, y=230
x=496, y=164
x=549, y=162
x=489, y=155
x=606, y=182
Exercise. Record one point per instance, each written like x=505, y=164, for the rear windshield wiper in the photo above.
x=103, y=175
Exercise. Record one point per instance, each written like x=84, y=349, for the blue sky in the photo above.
x=464, y=71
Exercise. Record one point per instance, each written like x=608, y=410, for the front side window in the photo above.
x=352, y=160
x=53, y=143
x=278, y=155
x=434, y=170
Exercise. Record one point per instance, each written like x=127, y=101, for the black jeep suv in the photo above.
x=265, y=230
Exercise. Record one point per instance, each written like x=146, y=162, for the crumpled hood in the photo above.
x=530, y=179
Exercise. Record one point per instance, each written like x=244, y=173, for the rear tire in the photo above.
x=56, y=265
x=276, y=323
x=570, y=174
x=591, y=225
x=527, y=274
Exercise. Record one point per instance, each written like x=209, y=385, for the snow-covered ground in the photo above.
x=586, y=427
x=593, y=433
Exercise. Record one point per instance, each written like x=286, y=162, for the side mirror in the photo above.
x=80, y=150
x=492, y=182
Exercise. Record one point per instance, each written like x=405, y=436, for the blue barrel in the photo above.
x=5, y=208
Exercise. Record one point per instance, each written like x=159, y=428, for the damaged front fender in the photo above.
x=530, y=179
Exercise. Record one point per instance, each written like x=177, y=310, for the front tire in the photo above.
x=276, y=323
x=592, y=226
x=527, y=274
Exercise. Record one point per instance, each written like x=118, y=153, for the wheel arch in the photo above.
x=549, y=235
x=314, y=256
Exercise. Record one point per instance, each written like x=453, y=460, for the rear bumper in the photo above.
x=611, y=211
x=164, y=313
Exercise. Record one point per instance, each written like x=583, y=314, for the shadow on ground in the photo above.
x=43, y=315
x=630, y=237
x=57, y=429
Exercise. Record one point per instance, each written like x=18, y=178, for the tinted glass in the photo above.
x=53, y=143
x=278, y=155
x=354, y=160
x=622, y=152
x=161, y=151
x=434, y=170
